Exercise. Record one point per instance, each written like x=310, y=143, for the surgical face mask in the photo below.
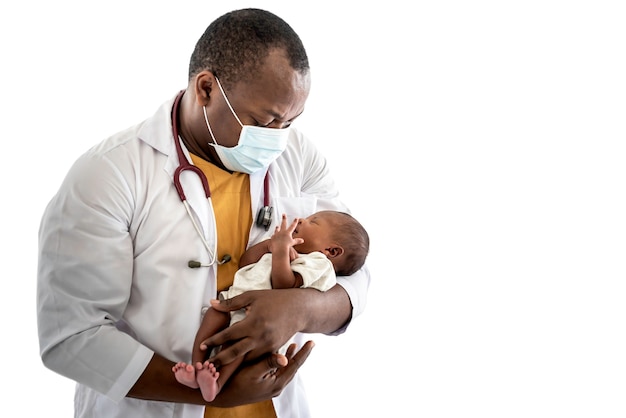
x=257, y=148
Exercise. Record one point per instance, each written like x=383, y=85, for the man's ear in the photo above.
x=205, y=85
x=333, y=252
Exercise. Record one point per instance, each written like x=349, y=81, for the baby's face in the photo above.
x=315, y=231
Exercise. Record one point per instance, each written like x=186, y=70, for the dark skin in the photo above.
x=274, y=98
x=258, y=381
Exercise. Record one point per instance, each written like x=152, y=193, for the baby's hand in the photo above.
x=283, y=237
x=293, y=254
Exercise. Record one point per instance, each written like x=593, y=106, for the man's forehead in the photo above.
x=277, y=97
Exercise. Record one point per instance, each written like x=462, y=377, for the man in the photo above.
x=118, y=304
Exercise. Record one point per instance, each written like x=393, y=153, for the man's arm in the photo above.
x=274, y=316
x=255, y=382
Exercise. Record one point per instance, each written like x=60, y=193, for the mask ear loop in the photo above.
x=227, y=102
x=208, y=125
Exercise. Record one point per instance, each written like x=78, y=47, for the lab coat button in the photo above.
x=203, y=310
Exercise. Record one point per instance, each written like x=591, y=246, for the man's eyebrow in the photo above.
x=278, y=116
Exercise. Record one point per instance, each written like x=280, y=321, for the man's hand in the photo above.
x=253, y=382
x=272, y=318
x=264, y=379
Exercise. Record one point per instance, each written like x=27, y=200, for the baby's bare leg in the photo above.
x=213, y=322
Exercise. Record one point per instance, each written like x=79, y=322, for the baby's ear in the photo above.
x=333, y=252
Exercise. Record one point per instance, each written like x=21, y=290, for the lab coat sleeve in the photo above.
x=356, y=286
x=319, y=182
x=84, y=279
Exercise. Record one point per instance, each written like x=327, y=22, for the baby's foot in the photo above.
x=185, y=374
x=207, y=380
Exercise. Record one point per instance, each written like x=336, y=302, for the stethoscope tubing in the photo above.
x=185, y=165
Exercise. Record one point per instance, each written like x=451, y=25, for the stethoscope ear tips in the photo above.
x=264, y=218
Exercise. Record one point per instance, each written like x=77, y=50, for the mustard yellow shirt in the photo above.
x=230, y=194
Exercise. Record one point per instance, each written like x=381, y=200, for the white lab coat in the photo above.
x=113, y=282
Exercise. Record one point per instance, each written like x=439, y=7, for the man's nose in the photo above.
x=278, y=125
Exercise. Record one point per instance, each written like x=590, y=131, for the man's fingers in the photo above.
x=221, y=338
x=281, y=369
x=230, y=353
x=291, y=350
x=302, y=354
x=277, y=361
x=286, y=373
x=232, y=304
x=235, y=334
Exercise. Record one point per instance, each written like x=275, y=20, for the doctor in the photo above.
x=119, y=304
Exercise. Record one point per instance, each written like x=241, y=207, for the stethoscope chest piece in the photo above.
x=264, y=218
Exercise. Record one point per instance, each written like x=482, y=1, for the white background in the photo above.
x=481, y=143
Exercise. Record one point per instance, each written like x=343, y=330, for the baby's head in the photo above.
x=336, y=234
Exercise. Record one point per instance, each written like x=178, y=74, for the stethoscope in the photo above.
x=264, y=217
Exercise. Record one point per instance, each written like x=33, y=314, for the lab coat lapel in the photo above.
x=257, y=196
x=197, y=200
x=256, y=191
x=157, y=131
